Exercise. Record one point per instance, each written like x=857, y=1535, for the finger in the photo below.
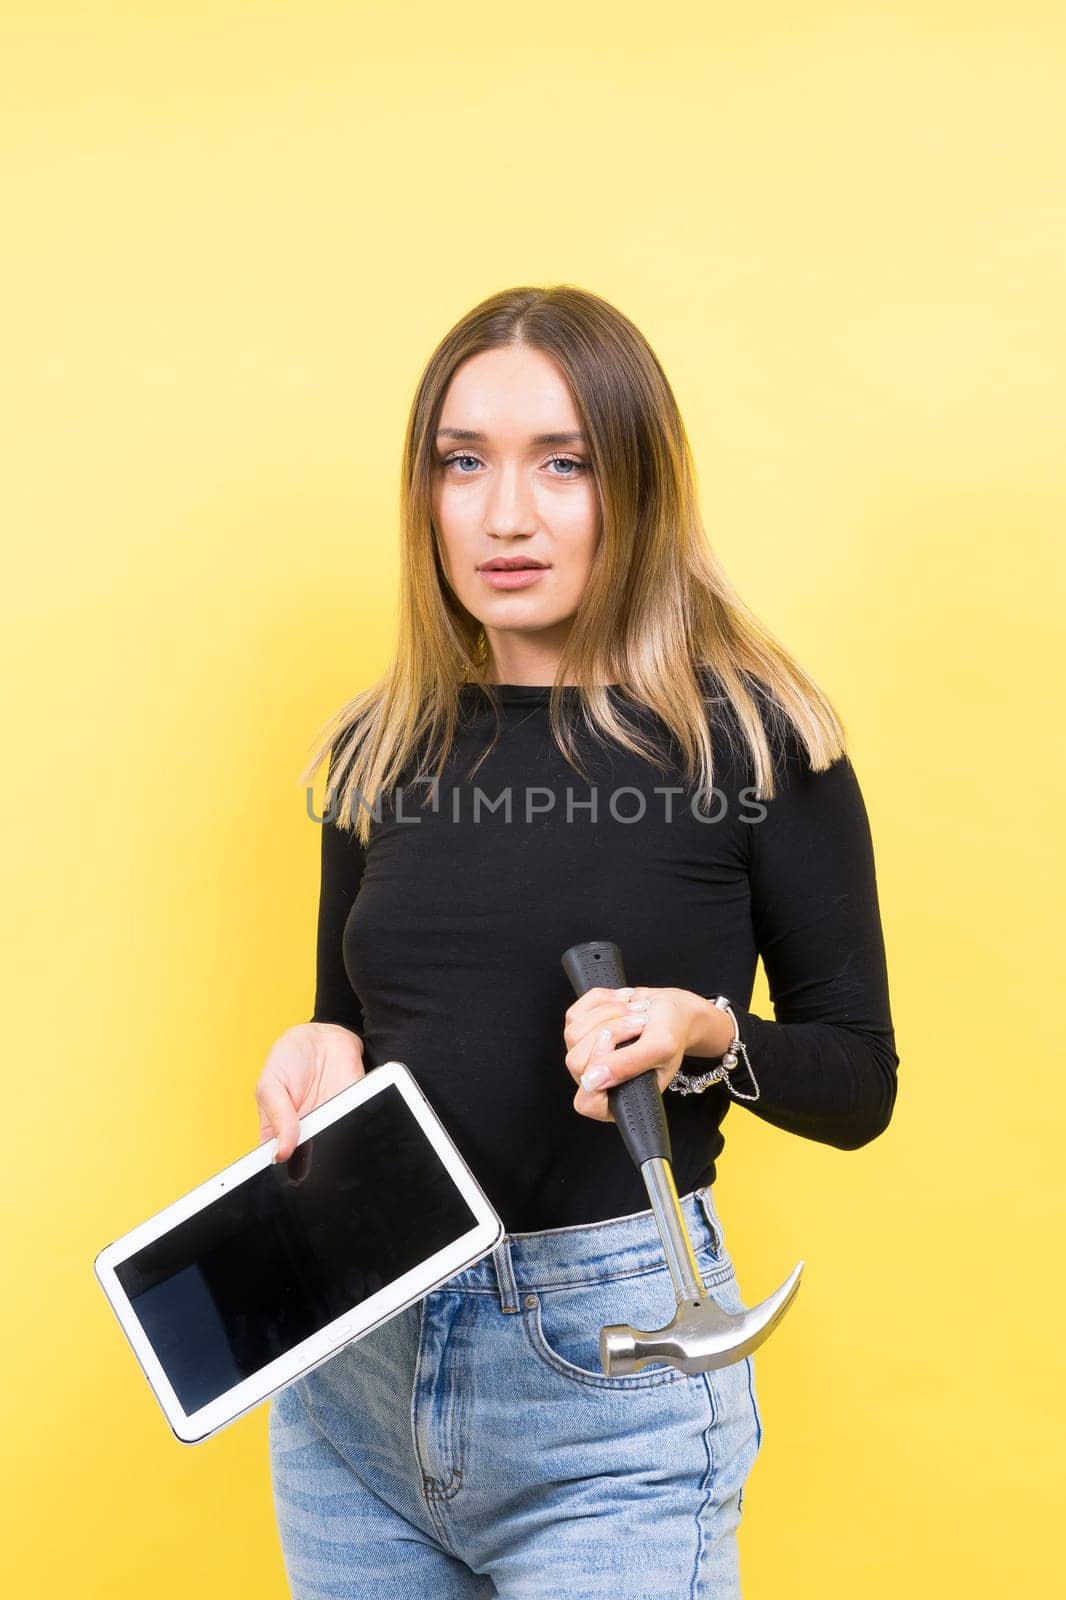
x=280, y=1115
x=599, y=996
x=656, y=1043
x=602, y=996
x=643, y=1050
x=589, y=1021
x=618, y=1020
x=601, y=1042
x=629, y=1058
x=596, y=1104
x=593, y=1105
x=601, y=1015
x=606, y=1040
x=598, y=993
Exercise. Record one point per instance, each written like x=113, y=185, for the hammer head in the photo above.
x=701, y=1337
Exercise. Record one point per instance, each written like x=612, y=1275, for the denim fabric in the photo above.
x=472, y=1446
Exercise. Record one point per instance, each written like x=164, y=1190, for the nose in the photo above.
x=509, y=508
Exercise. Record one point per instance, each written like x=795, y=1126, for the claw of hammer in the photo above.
x=702, y=1335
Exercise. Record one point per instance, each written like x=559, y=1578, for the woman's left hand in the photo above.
x=660, y=1023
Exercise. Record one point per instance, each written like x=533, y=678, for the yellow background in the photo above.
x=233, y=234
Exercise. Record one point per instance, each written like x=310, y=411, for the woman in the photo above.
x=607, y=745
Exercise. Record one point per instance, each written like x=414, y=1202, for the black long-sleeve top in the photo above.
x=440, y=944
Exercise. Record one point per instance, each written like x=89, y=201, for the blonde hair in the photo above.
x=657, y=606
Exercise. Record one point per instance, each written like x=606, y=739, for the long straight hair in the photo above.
x=657, y=608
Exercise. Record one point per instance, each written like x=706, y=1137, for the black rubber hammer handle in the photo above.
x=637, y=1104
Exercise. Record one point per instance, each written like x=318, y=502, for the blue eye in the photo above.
x=566, y=461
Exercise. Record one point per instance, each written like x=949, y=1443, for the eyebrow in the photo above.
x=537, y=438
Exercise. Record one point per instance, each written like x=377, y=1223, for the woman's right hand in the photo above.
x=309, y=1063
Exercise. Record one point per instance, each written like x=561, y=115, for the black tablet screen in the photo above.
x=283, y=1254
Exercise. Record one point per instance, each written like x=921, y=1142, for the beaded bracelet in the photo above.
x=682, y=1083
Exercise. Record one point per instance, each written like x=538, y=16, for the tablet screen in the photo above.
x=286, y=1252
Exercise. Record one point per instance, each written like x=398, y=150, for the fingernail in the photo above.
x=603, y=1041
x=638, y=1005
x=595, y=1076
x=622, y=993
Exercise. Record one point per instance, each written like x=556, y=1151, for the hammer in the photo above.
x=702, y=1336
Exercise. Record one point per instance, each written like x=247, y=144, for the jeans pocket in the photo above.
x=563, y=1323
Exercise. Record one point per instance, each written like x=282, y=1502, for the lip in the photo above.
x=511, y=577
x=510, y=564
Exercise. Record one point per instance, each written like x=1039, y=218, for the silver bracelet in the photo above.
x=682, y=1083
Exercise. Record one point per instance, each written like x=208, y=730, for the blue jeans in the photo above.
x=472, y=1445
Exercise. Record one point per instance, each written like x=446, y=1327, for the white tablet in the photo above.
x=265, y=1270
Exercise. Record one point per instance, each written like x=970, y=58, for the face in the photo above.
x=512, y=479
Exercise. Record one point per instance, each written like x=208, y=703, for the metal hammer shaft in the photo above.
x=670, y=1219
